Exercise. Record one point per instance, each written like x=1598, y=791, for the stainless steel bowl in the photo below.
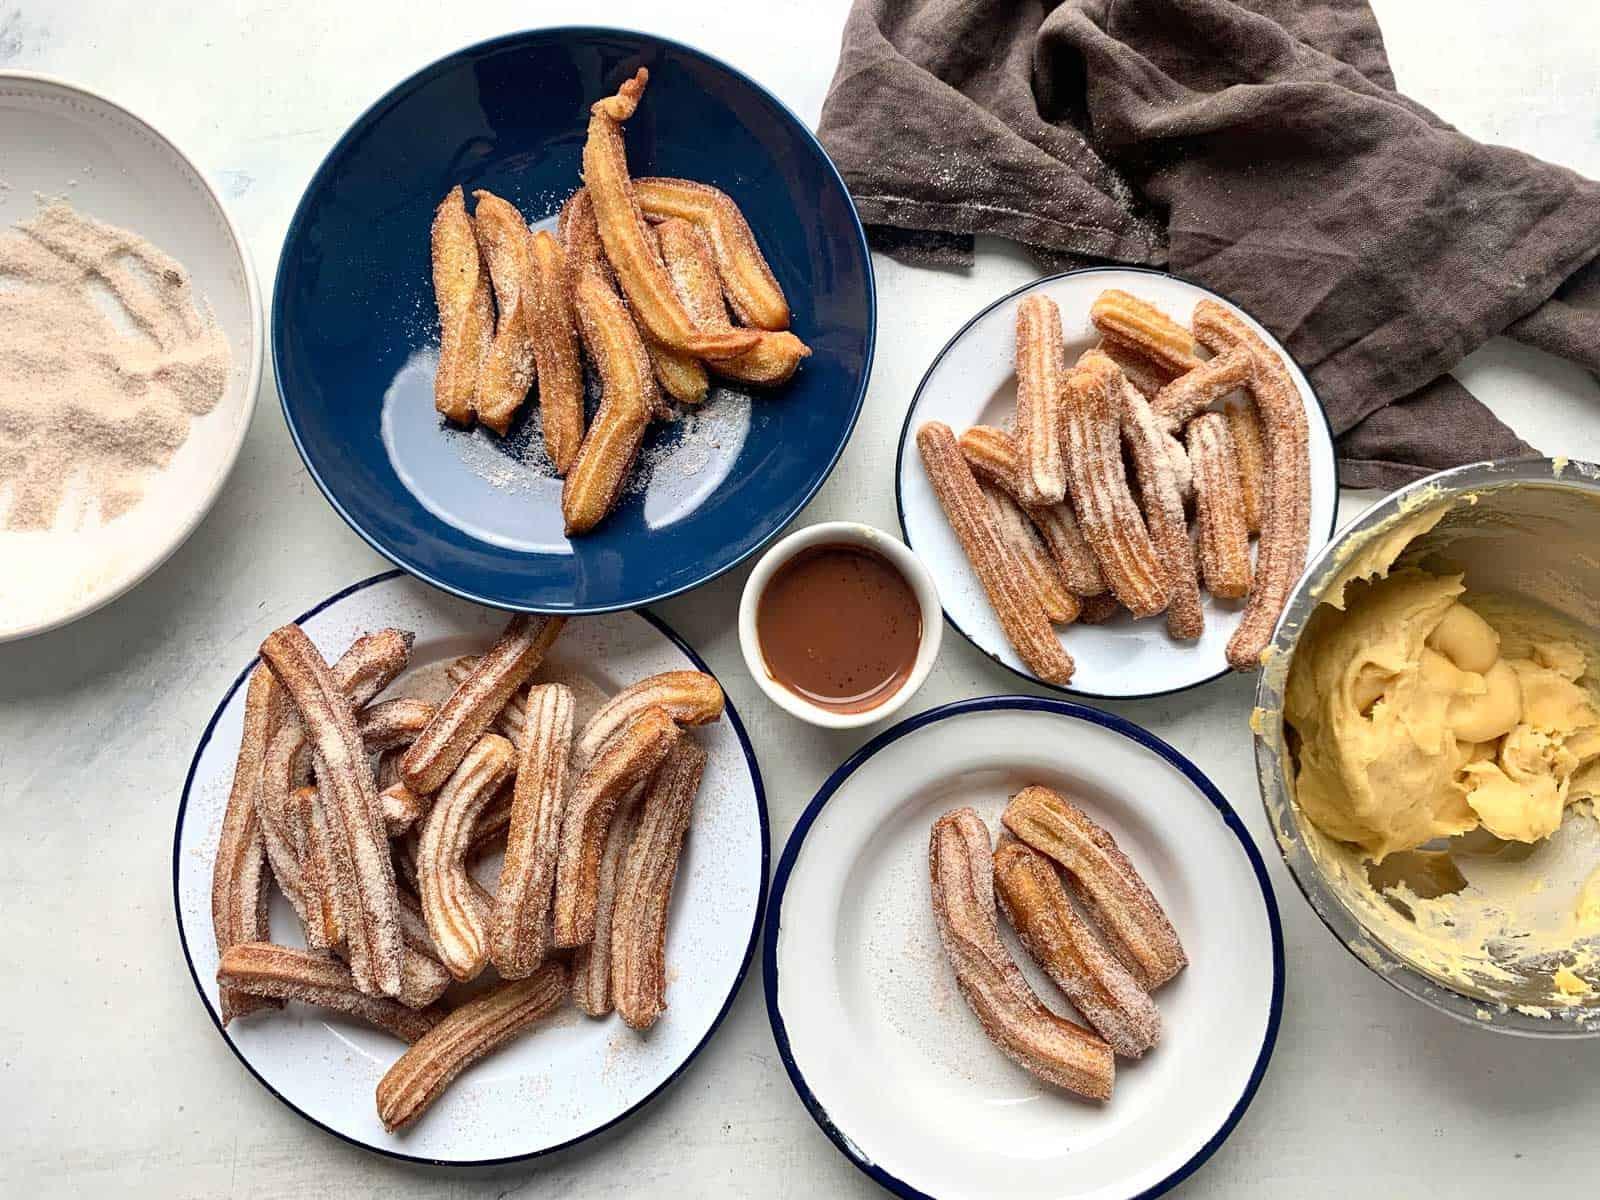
x=1529, y=528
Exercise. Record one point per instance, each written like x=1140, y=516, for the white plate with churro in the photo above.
x=1117, y=478
x=1050, y=930
x=417, y=835
x=111, y=238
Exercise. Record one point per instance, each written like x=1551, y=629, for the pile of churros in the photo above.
x=1082, y=511
x=1107, y=965
x=642, y=273
x=368, y=815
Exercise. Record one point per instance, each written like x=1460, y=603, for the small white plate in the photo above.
x=972, y=382
x=57, y=139
x=862, y=998
x=573, y=1076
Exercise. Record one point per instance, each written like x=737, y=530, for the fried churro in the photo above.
x=1219, y=507
x=591, y=962
x=992, y=455
x=644, y=891
x=470, y=709
x=1041, y=371
x=751, y=288
x=554, y=330
x=1163, y=512
x=624, y=762
x=1052, y=1048
x=1019, y=535
x=1100, y=987
x=265, y=970
x=519, y=930
x=1191, y=393
x=1140, y=370
x=1103, y=880
x=688, y=697
x=1022, y=618
x=508, y=368
x=1286, y=514
x=626, y=236
x=482, y=1024
x=466, y=313
x=1110, y=519
x=1144, y=329
x=1245, y=425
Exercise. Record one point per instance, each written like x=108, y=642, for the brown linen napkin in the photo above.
x=1257, y=148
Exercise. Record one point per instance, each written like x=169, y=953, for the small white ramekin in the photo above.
x=841, y=533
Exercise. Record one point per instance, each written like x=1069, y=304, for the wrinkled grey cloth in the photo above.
x=1257, y=148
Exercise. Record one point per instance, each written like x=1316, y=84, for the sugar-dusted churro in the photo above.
x=592, y=962
x=281, y=973
x=1163, y=512
x=751, y=288
x=554, y=330
x=1219, y=507
x=1041, y=364
x=688, y=697
x=1103, y=880
x=1145, y=329
x=466, y=312
x=1286, y=516
x=508, y=368
x=1052, y=1048
x=1142, y=371
x=1021, y=616
x=1195, y=391
x=1245, y=425
x=1019, y=534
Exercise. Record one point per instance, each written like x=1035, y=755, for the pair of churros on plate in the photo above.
x=641, y=274
x=1083, y=511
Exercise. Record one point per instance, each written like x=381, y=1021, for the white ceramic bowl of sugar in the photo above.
x=60, y=140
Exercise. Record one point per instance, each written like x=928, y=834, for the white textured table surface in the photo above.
x=111, y=1078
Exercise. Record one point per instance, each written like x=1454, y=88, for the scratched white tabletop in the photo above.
x=111, y=1078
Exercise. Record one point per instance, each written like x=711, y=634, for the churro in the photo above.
x=751, y=288
x=1191, y=393
x=519, y=928
x=281, y=973
x=1101, y=988
x=1224, y=539
x=992, y=455
x=363, y=871
x=1050, y=1047
x=690, y=264
x=638, y=925
x=626, y=761
x=1024, y=542
x=466, y=313
x=1109, y=517
x=1041, y=364
x=509, y=720
x=591, y=962
x=239, y=873
x=470, y=709
x=483, y=1023
x=1140, y=370
x=554, y=333
x=1022, y=618
x=317, y=879
x=688, y=697
x=1103, y=880
x=508, y=368
x=1145, y=329
x=390, y=724
x=628, y=399
x=1164, y=516
x=626, y=236
x=457, y=921
x=1286, y=514
x=1245, y=425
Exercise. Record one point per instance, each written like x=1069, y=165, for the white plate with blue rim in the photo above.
x=972, y=381
x=862, y=998
x=571, y=1076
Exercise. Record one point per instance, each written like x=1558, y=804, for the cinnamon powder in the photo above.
x=105, y=357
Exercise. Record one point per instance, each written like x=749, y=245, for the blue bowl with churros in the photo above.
x=356, y=332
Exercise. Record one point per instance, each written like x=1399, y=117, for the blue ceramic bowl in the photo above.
x=354, y=330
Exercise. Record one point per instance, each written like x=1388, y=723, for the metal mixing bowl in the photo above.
x=1531, y=528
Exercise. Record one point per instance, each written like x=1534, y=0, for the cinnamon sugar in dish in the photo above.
x=106, y=355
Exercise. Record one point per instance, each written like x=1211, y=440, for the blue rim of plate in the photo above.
x=733, y=992
x=905, y=432
x=1066, y=708
x=416, y=77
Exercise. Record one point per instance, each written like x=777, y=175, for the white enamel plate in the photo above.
x=972, y=382
x=571, y=1076
x=876, y=1036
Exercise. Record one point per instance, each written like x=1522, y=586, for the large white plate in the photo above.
x=573, y=1076
x=57, y=139
x=877, y=1039
x=972, y=382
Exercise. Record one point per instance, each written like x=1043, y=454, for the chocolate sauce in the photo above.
x=839, y=626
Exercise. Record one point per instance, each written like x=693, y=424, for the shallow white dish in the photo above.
x=57, y=139
x=861, y=997
x=572, y=1076
x=971, y=382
